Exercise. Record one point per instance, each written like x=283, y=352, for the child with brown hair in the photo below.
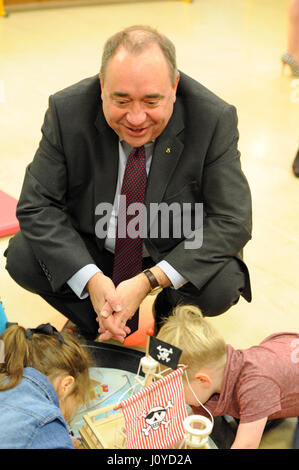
x=252, y=385
x=44, y=375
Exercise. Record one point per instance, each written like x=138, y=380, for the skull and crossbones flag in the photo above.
x=164, y=353
x=154, y=416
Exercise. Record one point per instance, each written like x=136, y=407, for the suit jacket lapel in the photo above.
x=106, y=165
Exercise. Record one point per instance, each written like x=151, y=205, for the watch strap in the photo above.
x=151, y=278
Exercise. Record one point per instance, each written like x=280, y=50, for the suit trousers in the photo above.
x=215, y=298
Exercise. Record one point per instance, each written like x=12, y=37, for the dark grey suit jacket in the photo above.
x=75, y=168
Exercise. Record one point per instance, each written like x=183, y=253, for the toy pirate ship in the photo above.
x=155, y=417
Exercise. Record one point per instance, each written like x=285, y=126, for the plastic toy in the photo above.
x=3, y=319
x=155, y=417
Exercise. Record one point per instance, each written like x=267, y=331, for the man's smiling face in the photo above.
x=138, y=95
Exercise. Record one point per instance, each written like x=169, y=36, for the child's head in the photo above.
x=203, y=350
x=63, y=361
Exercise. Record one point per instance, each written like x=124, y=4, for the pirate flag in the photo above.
x=164, y=353
x=154, y=416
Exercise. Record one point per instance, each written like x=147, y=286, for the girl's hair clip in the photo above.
x=46, y=329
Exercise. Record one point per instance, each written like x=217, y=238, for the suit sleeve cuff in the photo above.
x=176, y=278
x=79, y=280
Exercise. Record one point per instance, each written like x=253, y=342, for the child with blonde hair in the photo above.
x=252, y=385
x=44, y=375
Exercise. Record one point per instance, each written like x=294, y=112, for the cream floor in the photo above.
x=231, y=46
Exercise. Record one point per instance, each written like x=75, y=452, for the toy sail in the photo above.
x=155, y=417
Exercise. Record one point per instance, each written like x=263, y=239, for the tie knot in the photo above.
x=138, y=151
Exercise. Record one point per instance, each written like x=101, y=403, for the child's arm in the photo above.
x=249, y=434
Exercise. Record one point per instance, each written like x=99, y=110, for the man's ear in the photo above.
x=101, y=82
x=204, y=378
x=175, y=85
x=177, y=80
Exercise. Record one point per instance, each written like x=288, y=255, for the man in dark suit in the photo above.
x=188, y=139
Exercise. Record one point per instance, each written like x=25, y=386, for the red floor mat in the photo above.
x=8, y=221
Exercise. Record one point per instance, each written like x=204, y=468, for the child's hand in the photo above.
x=249, y=435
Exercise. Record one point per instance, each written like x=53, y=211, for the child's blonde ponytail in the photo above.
x=200, y=342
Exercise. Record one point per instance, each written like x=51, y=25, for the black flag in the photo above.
x=164, y=353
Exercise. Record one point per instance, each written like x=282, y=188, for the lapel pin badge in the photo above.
x=168, y=150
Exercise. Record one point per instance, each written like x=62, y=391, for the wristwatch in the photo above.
x=156, y=288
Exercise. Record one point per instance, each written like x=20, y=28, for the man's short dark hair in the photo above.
x=136, y=39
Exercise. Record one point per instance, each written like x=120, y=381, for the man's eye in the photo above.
x=152, y=103
x=121, y=103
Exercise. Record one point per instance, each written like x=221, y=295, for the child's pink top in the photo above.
x=259, y=382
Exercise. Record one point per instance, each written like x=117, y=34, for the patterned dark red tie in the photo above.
x=128, y=246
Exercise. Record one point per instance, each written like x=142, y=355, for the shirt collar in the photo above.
x=149, y=147
x=42, y=382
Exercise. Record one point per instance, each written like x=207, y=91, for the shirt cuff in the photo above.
x=176, y=278
x=79, y=280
